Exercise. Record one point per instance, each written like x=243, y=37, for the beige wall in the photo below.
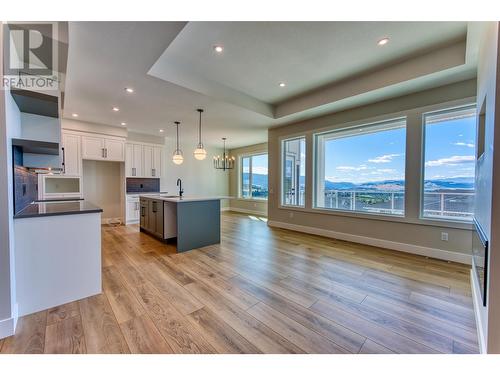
x=488, y=181
x=253, y=206
x=408, y=233
x=103, y=186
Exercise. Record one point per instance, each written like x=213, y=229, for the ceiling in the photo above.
x=327, y=66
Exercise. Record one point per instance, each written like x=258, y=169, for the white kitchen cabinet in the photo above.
x=143, y=160
x=157, y=161
x=72, y=156
x=133, y=209
x=114, y=149
x=147, y=154
x=133, y=160
x=103, y=148
x=92, y=147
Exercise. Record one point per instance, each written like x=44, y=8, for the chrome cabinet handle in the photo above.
x=133, y=171
x=106, y=152
x=153, y=172
x=102, y=151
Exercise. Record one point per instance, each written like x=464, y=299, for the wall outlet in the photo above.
x=291, y=215
x=255, y=205
x=444, y=236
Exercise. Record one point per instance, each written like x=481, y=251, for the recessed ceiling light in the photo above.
x=161, y=130
x=129, y=90
x=383, y=42
x=218, y=49
x=74, y=114
x=123, y=124
x=116, y=109
x=282, y=84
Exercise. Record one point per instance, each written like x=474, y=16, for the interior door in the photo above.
x=92, y=148
x=115, y=150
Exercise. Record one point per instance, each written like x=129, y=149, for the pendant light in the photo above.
x=226, y=162
x=177, y=157
x=200, y=153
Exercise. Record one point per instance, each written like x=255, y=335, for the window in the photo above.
x=293, y=171
x=254, y=177
x=362, y=168
x=449, y=164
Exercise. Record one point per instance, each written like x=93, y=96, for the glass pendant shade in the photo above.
x=177, y=157
x=200, y=153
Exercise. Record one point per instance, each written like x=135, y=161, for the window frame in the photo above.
x=356, y=127
x=282, y=141
x=240, y=176
x=442, y=110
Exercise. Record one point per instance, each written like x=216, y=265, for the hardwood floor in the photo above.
x=262, y=290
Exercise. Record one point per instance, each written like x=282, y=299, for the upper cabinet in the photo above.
x=133, y=160
x=71, y=154
x=143, y=160
x=96, y=147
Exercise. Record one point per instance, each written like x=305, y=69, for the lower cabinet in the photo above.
x=133, y=209
x=151, y=216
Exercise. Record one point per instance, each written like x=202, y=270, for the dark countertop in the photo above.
x=38, y=209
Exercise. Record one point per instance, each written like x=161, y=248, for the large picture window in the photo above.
x=362, y=168
x=449, y=163
x=254, y=183
x=293, y=172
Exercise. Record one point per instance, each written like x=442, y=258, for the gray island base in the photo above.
x=192, y=222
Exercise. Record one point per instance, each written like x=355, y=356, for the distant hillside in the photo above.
x=457, y=183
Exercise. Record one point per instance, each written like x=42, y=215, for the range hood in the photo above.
x=29, y=146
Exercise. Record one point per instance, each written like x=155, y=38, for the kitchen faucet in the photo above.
x=181, y=191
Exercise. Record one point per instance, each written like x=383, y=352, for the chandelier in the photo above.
x=225, y=162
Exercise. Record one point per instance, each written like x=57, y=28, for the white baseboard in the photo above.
x=245, y=211
x=8, y=326
x=478, y=304
x=399, y=246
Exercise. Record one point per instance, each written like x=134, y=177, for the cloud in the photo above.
x=351, y=168
x=259, y=170
x=383, y=158
x=470, y=145
x=385, y=170
x=452, y=160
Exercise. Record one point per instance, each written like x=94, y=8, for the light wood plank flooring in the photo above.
x=261, y=290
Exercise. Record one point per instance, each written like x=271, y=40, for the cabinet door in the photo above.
x=137, y=156
x=144, y=214
x=115, y=149
x=129, y=160
x=157, y=161
x=92, y=148
x=147, y=153
x=151, y=222
x=71, y=154
x=133, y=210
x=159, y=219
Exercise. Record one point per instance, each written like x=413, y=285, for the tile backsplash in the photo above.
x=143, y=185
x=25, y=187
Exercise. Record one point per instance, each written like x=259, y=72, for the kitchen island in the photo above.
x=193, y=222
x=57, y=254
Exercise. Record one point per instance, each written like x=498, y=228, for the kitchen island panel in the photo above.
x=198, y=224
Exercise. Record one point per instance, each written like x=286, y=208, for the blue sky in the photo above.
x=381, y=156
